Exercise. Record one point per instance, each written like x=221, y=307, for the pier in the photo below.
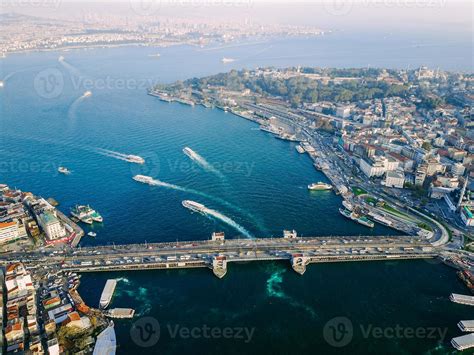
x=462, y=299
x=218, y=254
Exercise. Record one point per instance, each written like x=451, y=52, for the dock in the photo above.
x=107, y=293
x=462, y=299
x=466, y=326
x=463, y=342
x=121, y=313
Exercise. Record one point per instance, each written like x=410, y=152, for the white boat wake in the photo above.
x=228, y=221
x=156, y=182
x=203, y=163
x=70, y=68
x=120, y=156
x=73, y=108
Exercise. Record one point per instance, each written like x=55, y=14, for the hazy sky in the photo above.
x=390, y=15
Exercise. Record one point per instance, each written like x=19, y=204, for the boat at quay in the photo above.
x=107, y=293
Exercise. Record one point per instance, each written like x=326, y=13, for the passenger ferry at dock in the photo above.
x=107, y=293
x=86, y=214
x=319, y=186
x=194, y=206
x=359, y=219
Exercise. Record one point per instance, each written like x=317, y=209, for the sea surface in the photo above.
x=256, y=181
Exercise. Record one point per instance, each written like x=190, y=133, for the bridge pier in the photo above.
x=219, y=266
x=299, y=262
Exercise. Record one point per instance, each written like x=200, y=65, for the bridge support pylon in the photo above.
x=219, y=266
x=299, y=262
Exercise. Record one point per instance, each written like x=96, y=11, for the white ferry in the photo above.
x=319, y=186
x=107, y=293
x=194, y=206
x=135, y=159
x=227, y=60
x=143, y=179
x=64, y=170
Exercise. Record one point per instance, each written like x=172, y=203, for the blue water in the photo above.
x=260, y=184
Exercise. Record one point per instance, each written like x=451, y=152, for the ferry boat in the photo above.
x=80, y=213
x=143, y=179
x=300, y=149
x=365, y=221
x=107, y=293
x=359, y=219
x=194, y=206
x=135, y=159
x=63, y=170
x=86, y=214
x=227, y=60
x=347, y=205
x=319, y=186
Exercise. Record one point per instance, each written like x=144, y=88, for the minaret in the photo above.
x=463, y=191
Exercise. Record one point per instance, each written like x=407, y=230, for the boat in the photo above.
x=365, y=221
x=319, y=186
x=190, y=153
x=347, y=205
x=86, y=214
x=468, y=278
x=156, y=55
x=135, y=159
x=300, y=149
x=120, y=313
x=61, y=58
x=356, y=218
x=107, y=293
x=1, y=84
x=92, y=234
x=227, y=60
x=64, y=170
x=194, y=206
x=87, y=94
x=143, y=179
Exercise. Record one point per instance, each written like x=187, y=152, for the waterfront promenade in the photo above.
x=216, y=255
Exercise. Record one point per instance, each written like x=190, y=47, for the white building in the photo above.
x=458, y=169
x=343, y=111
x=9, y=231
x=395, y=179
x=373, y=167
x=51, y=226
